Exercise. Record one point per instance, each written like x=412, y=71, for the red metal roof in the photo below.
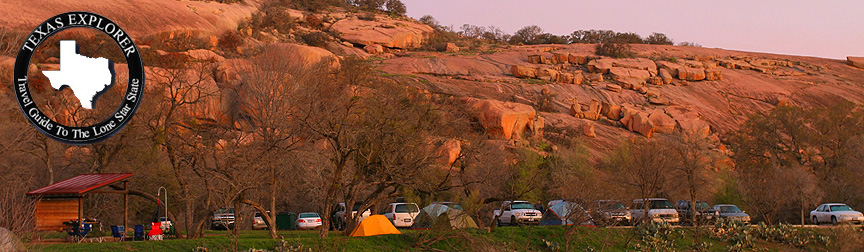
x=80, y=184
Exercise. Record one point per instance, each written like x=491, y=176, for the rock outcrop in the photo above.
x=383, y=31
x=855, y=61
x=506, y=120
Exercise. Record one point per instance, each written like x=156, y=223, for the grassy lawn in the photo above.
x=502, y=239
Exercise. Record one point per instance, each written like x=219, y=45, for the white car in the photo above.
x=659, y=210
x=402, y=214
x=517, y=212
x=258, y=221
x=835, y=213
x=308, y=220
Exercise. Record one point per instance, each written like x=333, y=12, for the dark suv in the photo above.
x=704, y=213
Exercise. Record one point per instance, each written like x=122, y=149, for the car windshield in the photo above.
x=308, y=215
x=614, y=206
x=730, y=209
x=521, y=205
x=661, y=204
x=225, y=211
x=453, y=205
x=835, y=208
x=163, y=219
x=702, y=205
x=357, y=206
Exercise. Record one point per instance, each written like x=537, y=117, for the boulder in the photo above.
x=204, y=55
x=642, y=125
x=576, y=109
x=578, y=59
x=594, y=77
x=523, y=71
x=691, y=74
x=629, y=76
x=374, y=49
x=449, y=151
x=534, y=58
x=666, y=76
x=565, y=78
x=637, y=63
x=547, y=74
x=613, y=88
x=505, y=120
x=392, y=33
x=734, y=64
x=694, y=127
x=662, y=122
x=855, y=61
x=782, y=101
x=451, y=47
x=671, y=67
x=659, y=100
x=560, y=57
x=713, y=74
x=578, y=78
x=228, y=72
x=9, y=242
x=614, y=112
x=300, y=55
x=656, y=80
x=600, y=65
x=588, y=130
x=593, y=112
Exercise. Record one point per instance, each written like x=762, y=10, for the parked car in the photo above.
x=258, y=221
x=308, y=220
x=836, y=213
x=611, y=212
x=704, y=213
x=340, y=220
x=517, y=212
x=401, y=214
x=166, y=223
x=222, y=218
x=732, y=212
x=659, y=209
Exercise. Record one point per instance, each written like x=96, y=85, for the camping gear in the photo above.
x=441, y=216
x=139, y=232
x=453, y=219
x=374, y=225
x=118, y=232
x=562, y=212
x=155, y=233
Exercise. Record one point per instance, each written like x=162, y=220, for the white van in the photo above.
x=659, y=209
x=402, y=214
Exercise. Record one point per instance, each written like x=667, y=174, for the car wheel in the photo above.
x=498, y=221
x=513, y=221
x=834, y=220
x=815, y=221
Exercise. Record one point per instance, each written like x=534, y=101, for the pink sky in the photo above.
x=829, y=29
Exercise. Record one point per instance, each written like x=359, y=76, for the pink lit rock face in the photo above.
x=855, y=61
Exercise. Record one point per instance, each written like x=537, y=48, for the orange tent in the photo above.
x=375, y=225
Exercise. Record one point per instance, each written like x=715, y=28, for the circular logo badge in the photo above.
x=85, y=76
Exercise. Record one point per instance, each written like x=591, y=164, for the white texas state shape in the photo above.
x=84, y=75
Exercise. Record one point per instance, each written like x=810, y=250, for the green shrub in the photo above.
x=316, y=38
x=614, y=50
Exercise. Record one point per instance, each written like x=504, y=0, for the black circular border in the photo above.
x=133, y=61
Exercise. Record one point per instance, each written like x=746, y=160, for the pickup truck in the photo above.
x=222, y=218
x=339, y=220
x=516, y=213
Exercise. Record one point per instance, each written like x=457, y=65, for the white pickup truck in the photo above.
x=517, y=212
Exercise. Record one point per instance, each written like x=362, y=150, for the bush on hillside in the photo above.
x=316, y=38
x=396, y=7
x=658, y=39
x=614, y=50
